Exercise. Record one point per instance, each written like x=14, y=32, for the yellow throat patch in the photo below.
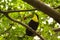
x=35, y=18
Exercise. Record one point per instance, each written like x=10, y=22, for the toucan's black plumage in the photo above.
x=33, y=24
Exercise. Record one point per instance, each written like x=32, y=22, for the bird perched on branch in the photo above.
x=33, y=24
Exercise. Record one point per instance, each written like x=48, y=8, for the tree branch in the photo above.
x=44, y=8
x=29, y=28
x=10, y=11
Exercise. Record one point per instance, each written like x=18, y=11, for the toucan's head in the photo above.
x=35, y=18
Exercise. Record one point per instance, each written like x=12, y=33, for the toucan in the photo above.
x=33, y=24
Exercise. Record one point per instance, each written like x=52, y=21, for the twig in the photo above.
x=10, y=11
x=56, y=29
x=58, y=7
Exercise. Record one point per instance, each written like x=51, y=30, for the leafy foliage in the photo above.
x=17, y=32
